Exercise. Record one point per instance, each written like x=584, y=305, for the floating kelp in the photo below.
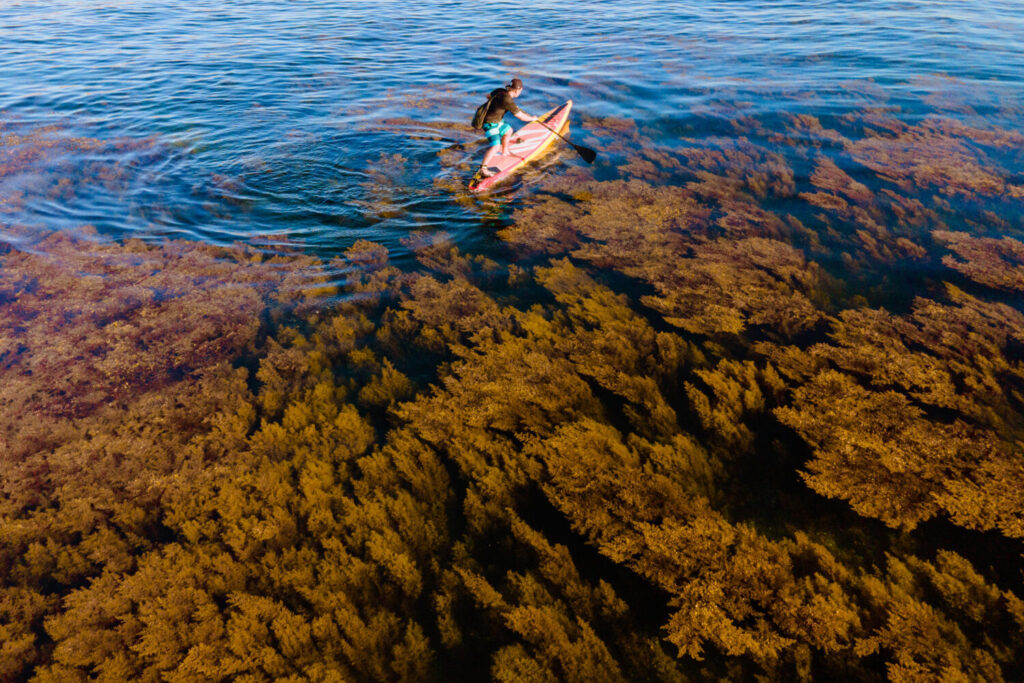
x=437, y=252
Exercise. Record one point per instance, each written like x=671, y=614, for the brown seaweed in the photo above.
x=215, y=466
x=997, y=263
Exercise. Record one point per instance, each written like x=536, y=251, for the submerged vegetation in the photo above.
x=752, y=408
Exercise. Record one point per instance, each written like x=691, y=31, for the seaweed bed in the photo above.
x=751, y=408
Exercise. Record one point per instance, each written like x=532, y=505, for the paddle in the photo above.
x=588, y=154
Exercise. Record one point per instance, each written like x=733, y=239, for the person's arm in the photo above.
x=512, y=108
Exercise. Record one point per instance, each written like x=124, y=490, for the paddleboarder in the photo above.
x=498, y=132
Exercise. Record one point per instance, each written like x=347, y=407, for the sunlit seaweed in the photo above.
x=997, y=263
x=111, y=319
x=663, y=236
x=938, y=153
x=548, y=471
x=290, y=534
x=878, y=449
x=759, y=171
x=853, y=203
x=117, y=363
x=879, y=452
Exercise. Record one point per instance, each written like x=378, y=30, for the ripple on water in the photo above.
x=332, y=122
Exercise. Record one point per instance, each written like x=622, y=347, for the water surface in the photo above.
x=321, y=122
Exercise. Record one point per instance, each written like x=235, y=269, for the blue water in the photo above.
x=261, y=122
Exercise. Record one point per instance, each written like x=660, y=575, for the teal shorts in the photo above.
x=496, y=131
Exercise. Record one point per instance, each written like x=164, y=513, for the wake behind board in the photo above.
x=527, y=143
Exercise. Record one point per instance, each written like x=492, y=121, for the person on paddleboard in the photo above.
x=498, y=132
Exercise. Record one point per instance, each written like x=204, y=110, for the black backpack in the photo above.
x=481, y=113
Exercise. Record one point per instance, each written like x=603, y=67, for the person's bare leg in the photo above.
x=504, y=142
x=491, y=153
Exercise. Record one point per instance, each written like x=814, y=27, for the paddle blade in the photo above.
x=588, y=154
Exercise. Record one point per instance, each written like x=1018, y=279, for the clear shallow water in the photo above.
x=322, y=122
x=325, y=123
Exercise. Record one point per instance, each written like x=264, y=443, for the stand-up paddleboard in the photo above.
x=527, y=143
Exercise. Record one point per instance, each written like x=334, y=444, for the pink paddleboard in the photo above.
x=527, y=143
